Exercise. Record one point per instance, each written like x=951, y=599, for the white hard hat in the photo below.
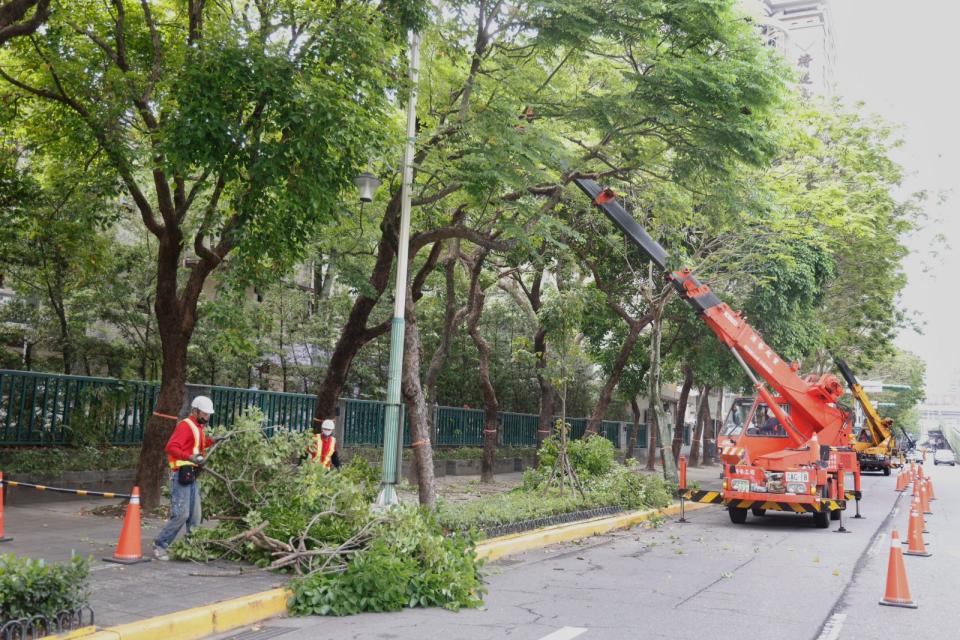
x=203, y=403
x=327, y=425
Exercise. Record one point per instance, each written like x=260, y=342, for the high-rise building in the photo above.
x=801, y=30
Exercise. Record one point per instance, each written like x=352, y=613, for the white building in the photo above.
x=801, y=30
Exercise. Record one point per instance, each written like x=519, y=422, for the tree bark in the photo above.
x=14, y=21
x=417, y=406
x=703, y=416
x=681, y=411
x=634, y=428
x=355, y=333
x=659, y=420
x=651, y=444
x=452, y=318
x=176, y=315
x=491, y=407
x=626, y=350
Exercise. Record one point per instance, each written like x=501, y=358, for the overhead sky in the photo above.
x=903, y=60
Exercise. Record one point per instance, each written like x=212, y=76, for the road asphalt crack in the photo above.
x=720, y=579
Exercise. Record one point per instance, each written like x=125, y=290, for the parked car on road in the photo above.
x=915, y=455
x=944, y=456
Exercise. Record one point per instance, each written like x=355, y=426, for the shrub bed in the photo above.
x=31, y=587
x=56, y=460
x=605, y=483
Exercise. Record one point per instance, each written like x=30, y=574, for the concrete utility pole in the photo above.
x=391, y=426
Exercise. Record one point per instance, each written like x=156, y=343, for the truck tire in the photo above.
x=886, y=471
x=738, y=515
x=759, y=512
x=835, y=515
x=821, y=520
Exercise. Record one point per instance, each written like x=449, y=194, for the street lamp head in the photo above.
x=367, y=184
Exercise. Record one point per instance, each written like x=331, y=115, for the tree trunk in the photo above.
x=547, y=393
x=491, y=407
x=417, y=407
x=626, y=350
x=490, y=404
x=651, y=444
x=634, y=428
x=452, y=318
x=703, y=416
x=355, y=333
x=678, y=427
x=152, y=466
x=658, y=419
x=176, y=318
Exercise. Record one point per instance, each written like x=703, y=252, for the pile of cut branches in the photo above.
x=277, y=511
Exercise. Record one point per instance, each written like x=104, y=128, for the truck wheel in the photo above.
x=738, y=515
x=835, y=515
x=886, y=471
x=759, y=512
x=821, y=520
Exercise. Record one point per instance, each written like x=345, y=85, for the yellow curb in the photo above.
x=519, y=542
x=82, y=632
x=200, y=622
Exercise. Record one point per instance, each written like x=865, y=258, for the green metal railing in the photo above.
x=38, y=408
x=41, y=408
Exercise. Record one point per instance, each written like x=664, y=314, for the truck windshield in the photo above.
x=765, y=424
x=736, y=418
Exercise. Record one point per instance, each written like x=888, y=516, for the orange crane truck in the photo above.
x=792, y=453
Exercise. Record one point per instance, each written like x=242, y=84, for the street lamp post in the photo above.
x=391, y=430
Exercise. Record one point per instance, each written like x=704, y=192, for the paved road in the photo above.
x=775, y=577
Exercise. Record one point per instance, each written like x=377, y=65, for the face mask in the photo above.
x=201, y=421
x=327, y=433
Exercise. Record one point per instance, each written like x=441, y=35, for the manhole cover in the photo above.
x=260, y=634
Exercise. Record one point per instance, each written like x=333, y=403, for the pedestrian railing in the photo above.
x=44, y=409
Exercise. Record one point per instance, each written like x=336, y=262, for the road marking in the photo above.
x=831, y=630
x=877, y=543
x=567, y=633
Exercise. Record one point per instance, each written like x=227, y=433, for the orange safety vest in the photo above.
x=323, y=450
x=176, y=464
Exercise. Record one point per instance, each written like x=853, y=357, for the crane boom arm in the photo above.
x=878, y=430
x=815, y=398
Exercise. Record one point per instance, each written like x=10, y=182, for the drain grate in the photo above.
x=261, y=634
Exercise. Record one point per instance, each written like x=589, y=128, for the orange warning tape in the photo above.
x=419, y=443
x=165, y=415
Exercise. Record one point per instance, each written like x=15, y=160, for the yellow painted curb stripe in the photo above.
x=519, y=542
x=82, y=632
x=200, y=622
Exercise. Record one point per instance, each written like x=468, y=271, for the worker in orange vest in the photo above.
x=185, y=455
x=324, y=448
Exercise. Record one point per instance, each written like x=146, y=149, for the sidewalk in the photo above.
x=122, y=593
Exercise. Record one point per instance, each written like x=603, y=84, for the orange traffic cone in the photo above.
x=924, y=502
x=930, y=494
x=915, y=547
x=901, y=480
x=898, y=591
x=2, y=537
x=128, y=548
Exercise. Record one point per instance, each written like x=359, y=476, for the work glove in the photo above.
x=217, y=439
x=197, y=459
